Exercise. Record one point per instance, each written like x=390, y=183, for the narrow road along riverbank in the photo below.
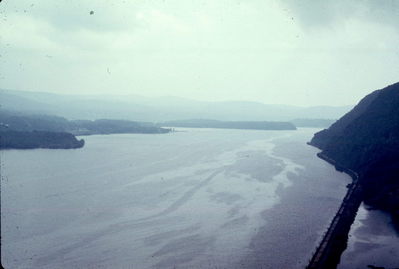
x=334, y=242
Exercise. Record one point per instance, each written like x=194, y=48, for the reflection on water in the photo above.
x=373, y=241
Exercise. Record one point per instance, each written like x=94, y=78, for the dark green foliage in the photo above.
x=367, y=141
x=38, y=139
x=253, y=125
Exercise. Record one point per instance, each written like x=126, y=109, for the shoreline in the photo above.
x=335, y=240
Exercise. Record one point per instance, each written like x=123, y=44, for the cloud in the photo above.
x=315, y=14
x=75, y=15
x=272, y=51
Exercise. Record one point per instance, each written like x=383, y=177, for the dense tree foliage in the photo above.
x=367, y=141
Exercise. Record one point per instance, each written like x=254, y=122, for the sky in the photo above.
x=306, y=53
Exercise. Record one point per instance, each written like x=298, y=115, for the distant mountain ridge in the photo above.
x=366, y=140
x=138, y=108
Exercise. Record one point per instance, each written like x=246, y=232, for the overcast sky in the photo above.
x=283, y=52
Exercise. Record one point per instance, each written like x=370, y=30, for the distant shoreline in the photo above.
x=334, y=242
x=242, y=125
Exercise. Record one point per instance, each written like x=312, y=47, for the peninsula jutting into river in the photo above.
x=39, y=139
x=28, y=131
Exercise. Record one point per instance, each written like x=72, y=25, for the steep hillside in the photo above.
x=367, y=140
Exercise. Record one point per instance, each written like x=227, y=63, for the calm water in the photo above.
x=200, y=198
x=373, y=240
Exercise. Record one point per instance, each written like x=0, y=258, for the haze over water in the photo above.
x=199, y=198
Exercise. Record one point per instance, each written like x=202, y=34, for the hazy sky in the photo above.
x=288, y=51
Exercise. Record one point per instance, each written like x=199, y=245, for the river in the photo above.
x=373, y=241
x=196, y=198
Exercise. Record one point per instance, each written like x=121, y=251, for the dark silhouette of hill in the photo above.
x=366, y=140
x=18, y=131
x=25, y=131
x=38, y=139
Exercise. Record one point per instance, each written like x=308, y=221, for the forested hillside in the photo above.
x=367, y=140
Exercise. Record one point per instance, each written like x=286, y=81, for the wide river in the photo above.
x=197, y=198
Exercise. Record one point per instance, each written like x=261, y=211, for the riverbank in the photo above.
x=334, y=242
x=319, y=189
